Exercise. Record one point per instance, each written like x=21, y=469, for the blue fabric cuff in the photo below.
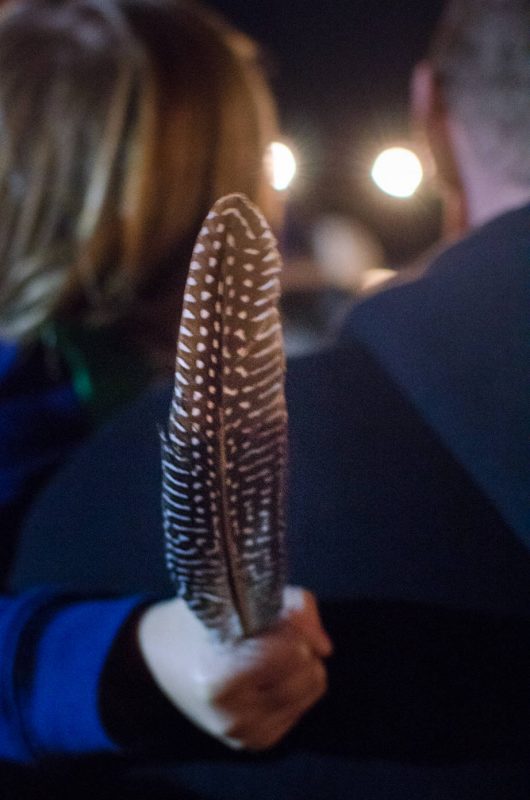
x=61, y=656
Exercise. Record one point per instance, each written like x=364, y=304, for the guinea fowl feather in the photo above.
x=224, y=456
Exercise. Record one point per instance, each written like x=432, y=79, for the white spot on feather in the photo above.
x=269, y=285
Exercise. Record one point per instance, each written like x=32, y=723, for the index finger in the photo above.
x=301, y=611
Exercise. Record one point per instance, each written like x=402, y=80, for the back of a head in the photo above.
x=121, y=121
x=481, y=55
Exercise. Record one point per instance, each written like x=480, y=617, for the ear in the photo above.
x=424, y=94
x=429, y=118
x=433, y=124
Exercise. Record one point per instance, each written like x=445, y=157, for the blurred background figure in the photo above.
x=344, y=261
x=341, y=77
x=345, y=251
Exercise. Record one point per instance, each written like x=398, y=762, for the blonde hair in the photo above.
x=121, y=121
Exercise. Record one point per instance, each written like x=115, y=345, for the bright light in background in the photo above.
x=281, y=164
x=398, y=172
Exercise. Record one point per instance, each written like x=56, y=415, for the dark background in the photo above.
x=340, y=72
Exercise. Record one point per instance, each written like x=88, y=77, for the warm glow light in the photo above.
x=281, y=164
x=398, y=172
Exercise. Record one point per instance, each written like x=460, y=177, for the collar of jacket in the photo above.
x=457, y=341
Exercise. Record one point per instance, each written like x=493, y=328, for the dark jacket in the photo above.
x=408, y=514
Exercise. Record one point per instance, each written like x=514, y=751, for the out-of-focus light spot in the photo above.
x=398, y=172
x=281, y=165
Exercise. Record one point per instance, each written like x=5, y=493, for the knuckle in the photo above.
x=321, y=676
x=316, y=690
x=298, y=655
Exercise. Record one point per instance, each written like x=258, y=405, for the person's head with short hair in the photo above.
x=121, y=122
x=473, y=97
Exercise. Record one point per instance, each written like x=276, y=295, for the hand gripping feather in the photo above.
x=224, y=455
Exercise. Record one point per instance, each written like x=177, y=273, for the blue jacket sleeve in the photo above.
x=53, y=652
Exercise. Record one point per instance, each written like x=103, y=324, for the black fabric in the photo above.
x=97, y=527
x=41, y=421
x=134, y=711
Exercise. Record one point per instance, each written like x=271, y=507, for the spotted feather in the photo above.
x=224, y=455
